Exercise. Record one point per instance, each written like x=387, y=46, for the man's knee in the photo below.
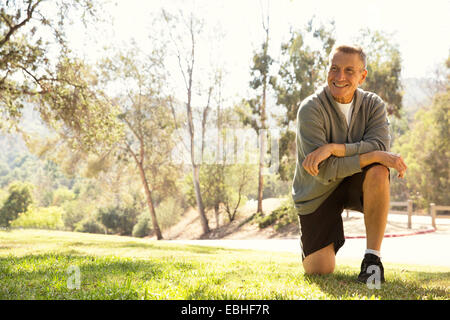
x=320, y=262
x=318, y=269
x=377, y=173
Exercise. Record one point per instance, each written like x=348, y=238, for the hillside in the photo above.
x=189, y=226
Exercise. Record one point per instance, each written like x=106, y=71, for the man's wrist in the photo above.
x=368, y=158
x=337, y=150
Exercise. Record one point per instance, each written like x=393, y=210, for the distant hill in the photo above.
x=418, y=93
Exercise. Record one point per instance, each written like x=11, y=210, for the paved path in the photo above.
x=405, y=245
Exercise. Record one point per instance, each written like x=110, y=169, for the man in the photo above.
x=343, y=158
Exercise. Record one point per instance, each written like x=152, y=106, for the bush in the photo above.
x=42, y=218
x=75, y=211
x=143, y=226
x=168, y=212
x=283, y=216
x=274, y=187
x=18, y=200
x=89, y=225
x=265, y=221
x=62, y=195
x=118, y=219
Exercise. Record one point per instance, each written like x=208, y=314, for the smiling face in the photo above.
x=345, y=74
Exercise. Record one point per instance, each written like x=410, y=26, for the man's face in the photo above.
x=345, y=74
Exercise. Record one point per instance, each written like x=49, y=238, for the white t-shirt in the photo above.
x=346, y=109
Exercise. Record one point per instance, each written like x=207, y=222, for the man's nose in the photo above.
x=340, y=75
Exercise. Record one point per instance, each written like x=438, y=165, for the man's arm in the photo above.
x=387, y=159
x=390, y=160
x=313, y=159
x=311, y=136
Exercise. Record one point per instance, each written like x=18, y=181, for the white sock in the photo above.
x=375, y=252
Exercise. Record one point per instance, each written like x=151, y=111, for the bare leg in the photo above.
x=376, y=205
x=321, y=261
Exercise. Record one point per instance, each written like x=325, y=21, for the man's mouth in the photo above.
x=340, y=85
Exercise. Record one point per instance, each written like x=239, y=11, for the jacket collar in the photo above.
x=357, y=100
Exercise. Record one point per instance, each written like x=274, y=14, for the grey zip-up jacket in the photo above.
x=319, y=122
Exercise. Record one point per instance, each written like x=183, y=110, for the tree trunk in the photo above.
x=260, y=172
x=195, y=170
x=216, y=213
x=198, y=196
x=148, y=194
x=262, y=149
x=195, y=167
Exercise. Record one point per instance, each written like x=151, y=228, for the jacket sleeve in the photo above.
x=310, y=136
x=376, y=135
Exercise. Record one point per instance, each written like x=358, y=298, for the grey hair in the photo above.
x=350, y=50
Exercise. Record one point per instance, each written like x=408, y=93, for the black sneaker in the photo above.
x=370, y=266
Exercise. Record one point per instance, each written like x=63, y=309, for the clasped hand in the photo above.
x=388, y=159
x=313, y=159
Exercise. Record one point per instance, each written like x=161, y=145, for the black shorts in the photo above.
x=325, y=226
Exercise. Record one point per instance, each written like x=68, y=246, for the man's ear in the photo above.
x=363, y=76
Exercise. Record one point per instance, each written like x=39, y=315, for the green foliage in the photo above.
x=287, y=155
x=384, y=68
x=90, y=225
x=75, y=211
x=79, y=110
x=426, y=150
x=28, y=70
x=281, y=217
x=143, y=226
x=240, y=180
x=265, y=221
x=223, y=184
x=168, y=212
x=275, y=187
x=22, y=167
x=19, y=198
x=62, y=195
x=302, y=69
x=41, y=218
x=118, y=219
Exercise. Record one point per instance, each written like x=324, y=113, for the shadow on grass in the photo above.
x=424, y=285
x=45, y=276
x=150, y=246
x=50, y=264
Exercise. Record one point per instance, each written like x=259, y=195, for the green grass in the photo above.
x=35, y=264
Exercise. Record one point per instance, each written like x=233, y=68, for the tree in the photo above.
x=302, y=70
x=18, y=200
x=384, y=68
x=149, y=125
x=239, y=181
x=84, y=120
x=260, y=72
x=187, y=64
x=28, y=71
x=426, y=150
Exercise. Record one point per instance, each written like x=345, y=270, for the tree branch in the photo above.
x=16, y=27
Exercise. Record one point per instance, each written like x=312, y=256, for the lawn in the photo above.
x=39, y=264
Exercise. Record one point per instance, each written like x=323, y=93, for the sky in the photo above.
x=420, y=28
